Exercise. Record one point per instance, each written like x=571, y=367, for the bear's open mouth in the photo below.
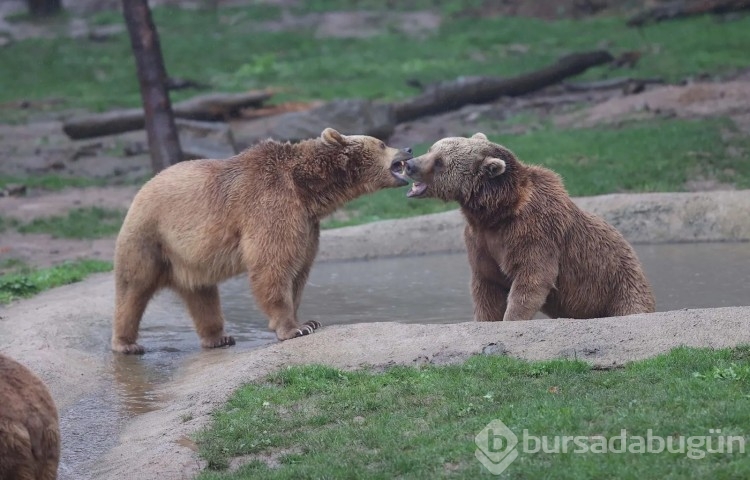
x=398, y=170
x=417, y=189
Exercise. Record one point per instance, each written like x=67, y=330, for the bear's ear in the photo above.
x=479, y=136
x=493, y=166
x=332, y=138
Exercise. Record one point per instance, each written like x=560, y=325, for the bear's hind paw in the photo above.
x=128, y=348
x=222, y=341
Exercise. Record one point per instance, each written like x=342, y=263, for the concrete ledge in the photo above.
x=721, y=216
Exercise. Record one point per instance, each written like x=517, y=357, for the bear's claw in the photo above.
x=308, y=328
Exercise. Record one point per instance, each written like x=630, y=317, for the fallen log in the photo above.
x=453, y=95
x=611, y=83
x=682, y=9
x=210, y=107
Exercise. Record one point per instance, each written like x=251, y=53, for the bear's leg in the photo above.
x=489, y=286
x=131, y=298
x=51, y=444
x=273, y=294
x=273, y=271
x=205, y=310
x=529, y=291
x=300, y=280
x=525, y=300
x=16, y=454
x=490, y=300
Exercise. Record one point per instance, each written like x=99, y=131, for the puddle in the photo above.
x=435, y=288
x=425, y=289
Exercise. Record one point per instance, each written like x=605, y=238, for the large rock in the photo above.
x=350, y=117
x=205, y=139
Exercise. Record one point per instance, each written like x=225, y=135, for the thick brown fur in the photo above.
x=29, y=428
x=530, y=247
x=200, y=222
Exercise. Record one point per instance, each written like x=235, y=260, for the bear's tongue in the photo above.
x=417, y=189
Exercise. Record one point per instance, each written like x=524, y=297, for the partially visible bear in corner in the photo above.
x=29, y=429
x=200, y=222
x=530, y=247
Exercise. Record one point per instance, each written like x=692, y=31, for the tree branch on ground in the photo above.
x=453, y=95
x=682, y=8
x=209, y=107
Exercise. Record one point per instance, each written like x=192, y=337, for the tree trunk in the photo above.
x=163, y=142
x=44, y=8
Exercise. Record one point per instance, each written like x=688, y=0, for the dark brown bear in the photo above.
x=200, y=222
x=29, y=429
x=530, y=247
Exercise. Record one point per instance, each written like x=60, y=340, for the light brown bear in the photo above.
x=530, y=247
x=200, y=222
x=29, y=427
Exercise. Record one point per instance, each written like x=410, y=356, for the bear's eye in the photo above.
x=382, y=146
x=439, y=162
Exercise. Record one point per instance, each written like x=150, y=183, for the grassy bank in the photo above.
x=319, y=422
x=49, y=182
x=17, y=280
x=234, y=50
x=79, y=223
x=83, y=223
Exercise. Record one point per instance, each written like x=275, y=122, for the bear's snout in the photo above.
x=402, y=156
x=412, y=168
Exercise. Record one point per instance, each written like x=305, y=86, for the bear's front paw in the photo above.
x=307, y=328
x=216, y=342
x=128, y=348
x=294, y=330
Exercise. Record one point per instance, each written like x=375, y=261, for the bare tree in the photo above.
x=44, y=8
x=163, y=142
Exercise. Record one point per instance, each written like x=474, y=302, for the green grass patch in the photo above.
x=50, y=182
x=89, y=222
x=420, y=423
x=647, y=156
x=7, y=223
x=383, y=205
x=229, y=51
x=23, y=281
